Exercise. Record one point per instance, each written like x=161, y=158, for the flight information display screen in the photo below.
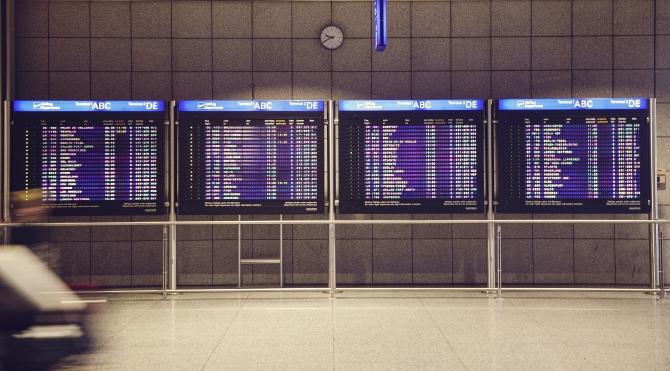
x=91, y=157
x=407, y=156
x=238, y=157
x=573, y=155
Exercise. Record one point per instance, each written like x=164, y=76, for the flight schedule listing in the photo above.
x=97, y=161
x=411, y=159
x=576, y=158
x=252, y=161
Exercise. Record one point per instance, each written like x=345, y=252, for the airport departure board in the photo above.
x=91, y=157
x=240, y=157
x=573, y=155
x=409, y=156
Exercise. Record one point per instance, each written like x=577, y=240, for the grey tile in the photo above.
x=631, y=231
x=268, y=231
x=552, y=18
x=194, y=232
x=194, y=263
x=512, y=18
x=592, y=52
x=632, y=262
x=192, y=85
x=225, y=262
x=152, y=85
x=398, y=21
x=633, y=52
x=353, y=231
x=111, y=85
x=110, y=54
x=310, y=262
x=552, y=53
x=553, y=230
x=592, y=231
x=354, y=262
x=152, y=55
x=232, y=54
x=352, y=85
x=31, y=85
x=147, y=263
x=232, y=85
x=469, y=267
x=68, y=19
x=272, y=55
x=553, y=261
x=663, y=85
x=111, y=264
x=633, y=17
x=272, y=85
x=396, y=57
x=120, y=233
x=272, y=19
x=231, y=18
x=31, y=18
x=431, y=261
x=469, y=230
x=353, y=55
x=431, y=85
x=663, y=123
x=594, y=262
x=510, y=84
x=593, y=17
x=192, y=55
x=69, y=85
x=110, y=19
x=354, y=18
x=592, y=83
x=510, y=53
x=148, y=233
x=309, y=55
x=310, y=17
x=430, y=54
x=471, y=84
x=310, y=231
x=431, y=19
x=31, y=54
x=225, y=232
x=663, y=51
x=662, y=17
x=470, y=18
x=517, y=261
x=71, y=261
x=311, y=85
x=392, y=261
x=633, y=83
x=151, y=18
x=550, y=84
x=69, y=54
x=191, y=19
x=470, y=54
x=431, y=231
x=390, y=231
x=391, y=85
x=517, y=230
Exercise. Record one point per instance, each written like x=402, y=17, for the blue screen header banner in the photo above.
x=87, y=106
x=573, y=104
x=412, y=105
x=380, y=25
x=251, y=105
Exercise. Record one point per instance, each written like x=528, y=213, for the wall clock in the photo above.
x=331, y=37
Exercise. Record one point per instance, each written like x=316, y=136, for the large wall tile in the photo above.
x=151, y=18
x=191, y=19
x=354, y=18
x=110, y=19
x=517, y=261
x=469, y=267
x=632, y=262
x=232, y=19
x=194, y=263
x=310, y=262
x=505, y=11
x=592, y=17
x=553, y=261
x=392, y=261
x=354, y=262
x=594, y=262
x=147, y=263
x=470, y=18
x=432, y=261
x=111, y=263
x=225, y=262
x=552, y=18
x=272, y=19
x=69, y=19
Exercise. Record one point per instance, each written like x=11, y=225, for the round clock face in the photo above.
x=331, y=37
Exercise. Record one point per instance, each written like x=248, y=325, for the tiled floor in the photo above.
x=381, y=331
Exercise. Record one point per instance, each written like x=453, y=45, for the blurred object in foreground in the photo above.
x=41, y=319
x=27, y=207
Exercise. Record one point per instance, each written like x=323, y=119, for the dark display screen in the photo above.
x=411, y=156
x=573, y=155
x=238, y=157
x=91, y=158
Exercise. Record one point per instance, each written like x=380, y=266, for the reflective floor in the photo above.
x=380, y=331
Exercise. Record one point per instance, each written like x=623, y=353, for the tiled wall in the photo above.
x=270, y=49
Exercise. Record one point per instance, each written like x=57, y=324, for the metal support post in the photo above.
x=281, y=252
x=164, y=274
x=172, y=256
x=661, y=270
x=653, y=212
x=490, y=228
x=332, y=274
x=499, y=260
x=239, y=252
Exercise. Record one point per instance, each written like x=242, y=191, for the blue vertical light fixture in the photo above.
x=380, y=25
